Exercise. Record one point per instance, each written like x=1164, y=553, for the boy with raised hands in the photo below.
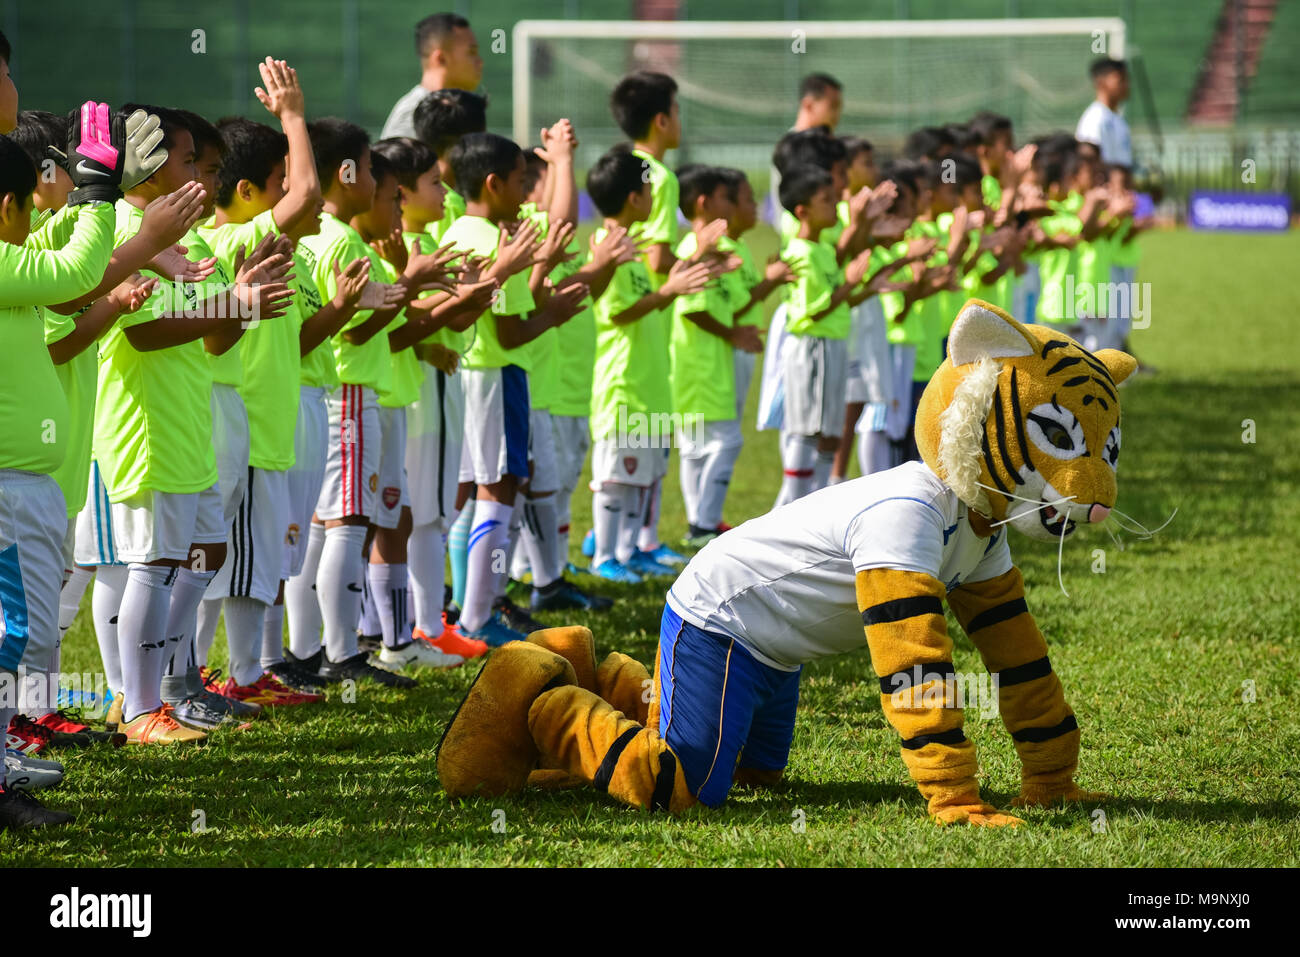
x=489, y=171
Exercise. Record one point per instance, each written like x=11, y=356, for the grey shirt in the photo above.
x=401, y=121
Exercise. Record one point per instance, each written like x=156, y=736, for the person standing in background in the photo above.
x=449, y=60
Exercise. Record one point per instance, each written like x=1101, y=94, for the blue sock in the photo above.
x=458, y=549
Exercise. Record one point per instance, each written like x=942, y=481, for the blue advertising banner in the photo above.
x=1240, y=212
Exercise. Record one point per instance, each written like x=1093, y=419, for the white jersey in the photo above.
x=784, y=584
x=401, y=119
x=1109, y=130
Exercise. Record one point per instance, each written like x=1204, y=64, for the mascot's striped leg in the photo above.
x=912, y=653
x=1030, y=697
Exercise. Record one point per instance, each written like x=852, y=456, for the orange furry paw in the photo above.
x=981, y=815
x=1040, y=796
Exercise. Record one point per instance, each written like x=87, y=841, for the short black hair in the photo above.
x=817, y=85
x=927, y=142
x=734, y=178
x=957, y=170
x=206, y=136
x=812, y=147
x=477, y=156
x=170, y=121
x=332, y=142
x=534, y=166
x=444, y=116
x=434, y=30
x=252, y=151
x=799, y=185
x=854, y=145
x=640, y=97
x=695, y=180
x=380, y=166
x=987, y=125
x=409, y=158
x=17, y=171
x=905, y=173
x=963, y=137
x=613, y=177
x=1056, y=164
x=1106, y=65
x=37, y=130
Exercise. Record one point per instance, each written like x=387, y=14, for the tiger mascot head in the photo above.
x=1022, y=423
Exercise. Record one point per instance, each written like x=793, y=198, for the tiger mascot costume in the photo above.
x=1019, y=426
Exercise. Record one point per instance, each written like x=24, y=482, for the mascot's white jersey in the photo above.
x=783, y=584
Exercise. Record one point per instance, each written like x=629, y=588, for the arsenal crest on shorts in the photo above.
x=629, y=464
x=391, y=496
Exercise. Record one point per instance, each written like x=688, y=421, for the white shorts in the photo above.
x=572, y=435
x=743, y=364
x=435, y=434
x=230, y=442
x=545, y=473
x=310, y=441
x=152, y=525
x=496, y=425
x=392, y=496
x=256, y=540
x=352, y=458
x=709, y=438
x=813, y=373
x=94, y=536
x=614, y=462
x=867, y=373
x=33, y=518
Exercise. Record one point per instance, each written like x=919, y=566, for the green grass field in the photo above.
x=1154, y=653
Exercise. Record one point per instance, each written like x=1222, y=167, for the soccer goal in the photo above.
x=738, y=81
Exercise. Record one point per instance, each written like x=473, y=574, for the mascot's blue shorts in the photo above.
x=720, y=707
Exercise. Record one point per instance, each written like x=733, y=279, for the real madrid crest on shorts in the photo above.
x=291, y=534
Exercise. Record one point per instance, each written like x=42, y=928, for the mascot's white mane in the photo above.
x=961, y=434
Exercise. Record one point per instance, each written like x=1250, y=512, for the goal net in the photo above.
x=738, y=81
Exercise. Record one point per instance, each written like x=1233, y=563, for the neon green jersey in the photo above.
x=831, y=235
x=631, y=370
x=317, y=367
x=404, y=384
x=337, y=243
x=661, y=225
x=268, y=352
x=453, y=208
x=226, y=368
x=1124, y=254
x=819, y=275
x=747, y=277
x=1055, y=265
x=702, y=369
x=478, y=236
x=78, y=377
x=64, y=259
x=153, y=411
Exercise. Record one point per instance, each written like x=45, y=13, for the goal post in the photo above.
x=738, y=80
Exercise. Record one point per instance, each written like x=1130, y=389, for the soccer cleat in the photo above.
x=495, y=632
x=453, y=642
x=31, y=774
x=566, y=596
x=666, y=556
x=20, y=811
x=515, y=618
x=611, y=569
x=589, y=544
x=724, y=527
x=268, y=691
x=217, y=701
x=63, y=722
x=419, y=654
x=297, y=678
x=644, y=565
x=369, y=642
x=697, y=537
x=113, y=717
x=198, y=714
x=359, y=668
x=31, y=738
x=160, y=727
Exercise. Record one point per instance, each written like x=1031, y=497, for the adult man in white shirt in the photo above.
x=1102, y=123
x=821, y=101
x=449, y=60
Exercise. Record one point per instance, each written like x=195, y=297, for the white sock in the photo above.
x=541, y=521
x=182, y=619
x=272, y=636
x=715, y=479
x=70, y=596
x=634, y=509
x=563, y=512
x=244, y=617
x=487, y=545
x=205, y=628
x=692, y=470
x=426, y=553
x=798, y=458
x=142, y=636
x=388, y=589
x=822, y=469
x=301, y=606
x=607, y=519
x=368, y=623
x=338, y=588
x=648, y=537
x=105, y=603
